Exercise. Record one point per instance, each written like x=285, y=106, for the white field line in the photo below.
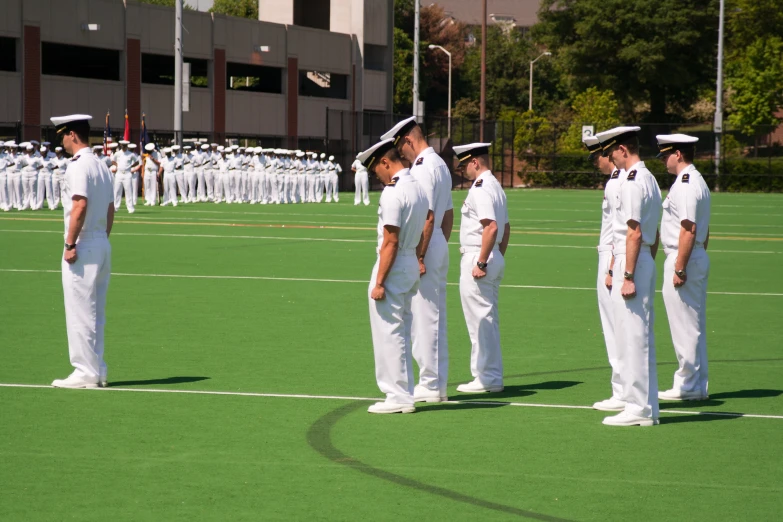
x=362, y=281
x=337, y=240
x=349, y=398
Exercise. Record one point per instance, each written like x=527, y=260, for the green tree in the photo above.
x=591, y=107
x=756, y=83
x=660, y=52
x=403, y=72
x=748, y=20
x=534, y=138
x=238, y=8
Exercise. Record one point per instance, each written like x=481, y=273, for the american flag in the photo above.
x=106, y=135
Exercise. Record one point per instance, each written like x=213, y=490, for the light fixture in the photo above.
x=261, y=48
x=91, y=27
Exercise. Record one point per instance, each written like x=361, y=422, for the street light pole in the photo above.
x=718, y=127
x=530, y=93
x=449, y=55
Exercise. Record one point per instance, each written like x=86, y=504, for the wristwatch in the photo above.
x=69, y=247
x=628, y=276
x=481, y=265
x=681, y=274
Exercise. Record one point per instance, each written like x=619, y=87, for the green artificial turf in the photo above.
x=257, y=307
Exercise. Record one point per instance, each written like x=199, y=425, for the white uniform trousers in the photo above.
x=122, y=180
x=151, y=188
x=274, y=188
x=58, y=184
x=134, y=187
x=15, y=192
x=45, y=189
x=201, y=189
x=245, y=191
x=229, y=180
x=634, y=320
x=209, y=179
x=235, y=179
x=319, y=188
x=190, y=186
x=282, y=187
x=606, y=312
x=429, y=335
x=263, y=193
x=169, y=188
x=686, y=308
x=85, y=285
x=480, y=306
x=5, y=200
x=362, y=182
x=301, y=180
x=334, y=187
x=390, y=322
x=29, y=189
x=179, y=175
x=217, y=194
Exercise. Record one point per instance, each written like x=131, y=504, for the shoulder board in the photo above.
x=615, y=174
x=478, y=183
x=393, y=182
x=632, y=175
x=75, y=158
x=419, y=161
x=686, y=178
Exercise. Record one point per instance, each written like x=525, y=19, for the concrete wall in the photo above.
x=255, y=113
x=312, y=114
x=240, y=37
x=62, y=95
x=375, y=90
x=11, y=19
x=376, y=22
x=319, y=50
x=277, y=11
x=11, y=87
x=60, y=21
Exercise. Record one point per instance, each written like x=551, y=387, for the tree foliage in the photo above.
x=238, y=8
x=658, y=52
x=591, y=107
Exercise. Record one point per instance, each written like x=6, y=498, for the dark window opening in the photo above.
x=80, y=62
x=7, y=54
x=254, y=78
x=312, y=13
x=375, y=57
x=158, y=69
x=323, y=85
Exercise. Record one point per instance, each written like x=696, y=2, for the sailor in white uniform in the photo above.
x=361, y=181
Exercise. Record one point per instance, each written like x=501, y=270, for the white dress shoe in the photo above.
x=626, y=419
x=677, y=395
x=391, y=407
x=75, y=381
x=610, y=404
x=477, y=387
x=422, y=394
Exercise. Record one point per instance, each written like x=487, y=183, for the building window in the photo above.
x=158, y=69
x=312, y=13
x=323, y=85
x=80, y=62
x=254, y=78
x=7, y=54
x=375, y=57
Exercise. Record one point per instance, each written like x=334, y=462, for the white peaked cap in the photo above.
x=400, y=129
x=149, y=146
x=471, y=150
x=618, y=135
x=331, y=158
x=132, y=146
x=205, y=147
x=323, y=155
x=369, y=156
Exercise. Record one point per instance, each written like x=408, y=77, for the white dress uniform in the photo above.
x=200, y=160
x=5, y=162
x=151, y=178
x=169, y=164
x=430, y=336
x=15, y=191
x=123, y=180
x=227, y=168
x=302, y=180
x=485, y=200
x=58, y=178
x=219, y=165
x=45, y=188
x=189, y=165
x=686, y=306
x=404, y=205
x=270, y=167
x=30, y=181
x=210, y=167
x=321, y=172
x=605, y=256
x=86, y=281
x=330, y=182
x=361, y=180
x=179, y=174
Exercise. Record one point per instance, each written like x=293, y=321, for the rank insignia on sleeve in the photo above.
x=478, y=183
x=419, y=161
x=615, y=174
x=632, y=175
x=392, y=182
x=686, y=178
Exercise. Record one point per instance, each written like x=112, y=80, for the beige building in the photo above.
x=273, y=78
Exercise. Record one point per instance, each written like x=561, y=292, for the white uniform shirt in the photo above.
x=610, y=195
x=5, y=162
x=224, y=163
x=638, y=199
x=359, y=166
x=434, y=176
x=689, y=198
x=88, y=176
x=271, y=165
x=31, y=164
x=149, y=165
x=124, y=160
x=179, y=161
x=60, y=165
x=187, y=162
x=168, y=164
x=404, y=205
x=486, y=200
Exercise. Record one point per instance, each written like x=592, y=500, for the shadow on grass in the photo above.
x=152, y=382
x=746, y=394
x=518, y=390
x=676, y=405
x=699, y=417
x=460, y=406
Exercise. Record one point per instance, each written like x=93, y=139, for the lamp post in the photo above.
x=718, y=125
x=530, y=95
x=449, y=55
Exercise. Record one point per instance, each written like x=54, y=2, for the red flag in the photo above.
x=127, y=127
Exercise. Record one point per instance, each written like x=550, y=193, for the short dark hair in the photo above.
x=632, y=144
x=81, y=129
x=393, y=155
x=688, y=153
